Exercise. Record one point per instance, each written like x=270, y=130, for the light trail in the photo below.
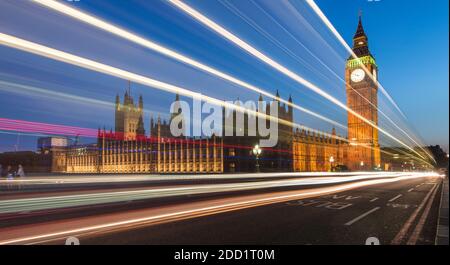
x=330, y=26
x=16, y=88
x=93, y=179
x=58, y=55
x=273, y=40
x=45, y=129
x=56, y=202
x=31, y=47
x=39, y=128
x=101, y=24
x=269, y=61
x=298, y=59
x=41, y=233
x=125, y=34
x=8, y=126
x=322, y=16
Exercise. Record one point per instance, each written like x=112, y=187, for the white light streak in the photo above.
x=253, y=51
x=330, y=26
x=207, y=208
x=58, y=55
x=101, y=24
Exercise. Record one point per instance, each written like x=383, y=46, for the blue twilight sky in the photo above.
x=409, y=40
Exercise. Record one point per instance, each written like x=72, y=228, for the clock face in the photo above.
x=357, y=75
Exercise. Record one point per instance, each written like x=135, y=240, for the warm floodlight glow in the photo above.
x=330, y=26
x=206, y=208
x=58, y=55
x=266, y=59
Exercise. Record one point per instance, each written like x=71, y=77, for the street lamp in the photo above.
x=361, y=164
x=331, y=163
x=257, y=151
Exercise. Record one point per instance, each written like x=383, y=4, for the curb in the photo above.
x=442, y=227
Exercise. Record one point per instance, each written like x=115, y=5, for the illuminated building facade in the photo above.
x=238, y=149
x=318, y=152
x=362, y=98
x=129, y=117
x=129, y=150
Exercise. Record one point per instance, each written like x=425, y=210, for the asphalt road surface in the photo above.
x=400, y=212
x=350, y=217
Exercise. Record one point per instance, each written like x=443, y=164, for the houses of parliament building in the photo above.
x=130, y=149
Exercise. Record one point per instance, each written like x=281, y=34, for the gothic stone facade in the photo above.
x=362, y=98
x=129, y=150
x=318, y=152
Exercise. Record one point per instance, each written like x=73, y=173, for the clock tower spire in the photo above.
x=360, y=40
x=362, y=97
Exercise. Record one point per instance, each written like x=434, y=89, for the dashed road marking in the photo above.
x=374, y=199
x=395, y=198
x=402, y=206
x=321, y=204
x=362, y=216
x=411, y=189
x=341, y=197
x=419, y=227
x=401, y=235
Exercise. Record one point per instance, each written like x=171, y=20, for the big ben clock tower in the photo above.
x=364, y=150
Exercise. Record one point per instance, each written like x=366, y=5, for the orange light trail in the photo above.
x=35, y=234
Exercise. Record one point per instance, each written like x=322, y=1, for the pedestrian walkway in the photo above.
x=442, y=229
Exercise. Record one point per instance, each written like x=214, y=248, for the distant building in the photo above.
x=317, y=152
x=238, y=156
x=362, y=98
x=45, y=144
x=31, y=161
x=55, y=147
x=129, y=149
x=129, y=119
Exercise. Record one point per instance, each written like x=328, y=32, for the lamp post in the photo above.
x=331, y=163
x=257, y=151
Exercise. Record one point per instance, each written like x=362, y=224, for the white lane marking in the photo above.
x=402, y=206
x=406, y=226
x=419, y=227
x=362, y=216
x=395, y=198
x=164, y=216
x=411, y=189
x=374, y=199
